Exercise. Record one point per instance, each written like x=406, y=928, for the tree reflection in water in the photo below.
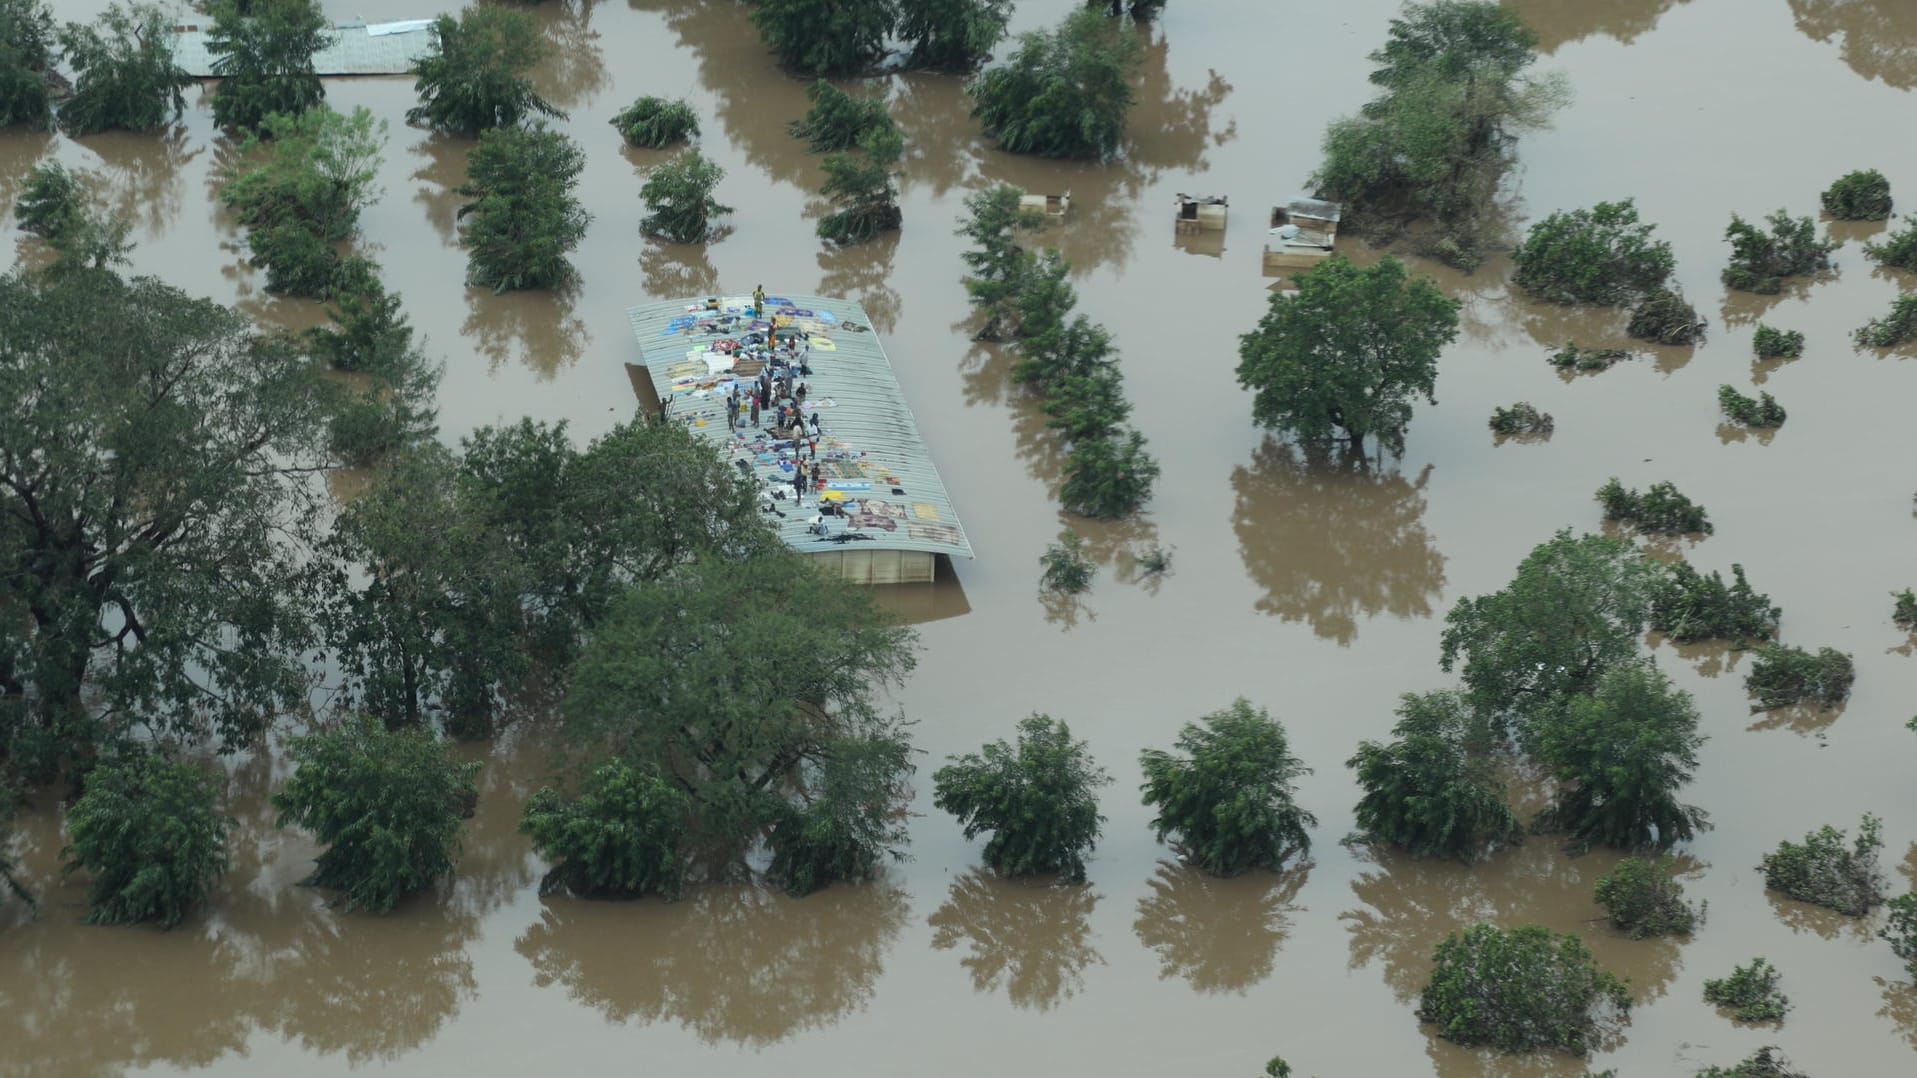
x=863, y=272
x=535, y=328
x=1031, y=938
x=1331, y=539
x=677, y=269
x=1879, y=36
x=1560, y=22
x=139, y=174
x=1221, y=935
x=574, y=69
x=728, y=963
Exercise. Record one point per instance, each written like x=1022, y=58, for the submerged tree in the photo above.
x=839, y=121
x=1524, y=990
x=1900, y=930
x=825, y=37
x=996, y=219
x=1619, y=757
x=679, y=196
x=298, y=187
x=1898, y=251
x=51, y=204
x=1661, y=509
x=1750, y=993
x=1768, y=343
x=1602, y=255
x=1437, y=140
x=474, y=77
x=1434, y=789
x=1859, y=196
x=1760, y=261
x=1643, y=898
x=1767, y=1062
x=386, y=806
x=125, y=74
x=1227, y=800
x=863, y=190
x=155, y=459
x=655, y=123
x=151, y=837
x=1822, y=871
x=752, y=686
x=1783, y=676
x=1039, y=799
x=263, y=53
x=524, y=218
x=1893, y=329
x=621, y=836
x=1064, y=568
x=1347, y=353
x=1109, y=476
x=1575, y=608
x=952, y=35
x=1687, y=606
x=1665, y=317
x=26, y=64
x=1063, y=92
x=1759, y=411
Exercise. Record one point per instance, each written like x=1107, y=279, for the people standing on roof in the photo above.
x=758, y=301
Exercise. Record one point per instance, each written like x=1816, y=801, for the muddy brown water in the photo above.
x=1317, y=591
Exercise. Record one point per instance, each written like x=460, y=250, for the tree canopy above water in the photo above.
x=1063, y=92
x=475, y=76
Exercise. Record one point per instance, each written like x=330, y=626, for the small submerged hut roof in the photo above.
x=870, y=443
x=354, y=47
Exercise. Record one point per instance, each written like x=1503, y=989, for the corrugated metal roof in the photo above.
x=355, y=49
x=869, y=439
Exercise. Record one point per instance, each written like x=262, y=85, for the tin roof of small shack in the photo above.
x=1315, y=207
x=870, y=440
x=353, y=48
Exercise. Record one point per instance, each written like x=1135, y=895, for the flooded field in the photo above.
x=1318, y=592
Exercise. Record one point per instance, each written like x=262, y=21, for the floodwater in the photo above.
x=1315, y=590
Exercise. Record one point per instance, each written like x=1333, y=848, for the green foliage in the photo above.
x=1858, y=196
x=621, y=836
x=851, y=824
x=1063, y=92
x=1525, y=990
x=51, y=204
x=1088, y=404
x=316, y=169
x=1575, y=608
x=298, y=262
x=1109, y=476
x=1155, y=560
x=952, y=35
x=1766, y=1062
x=678, y=195
x=1821, y=871
x=9, y=870
x=369, y=330
x=655, y=123
x=175, y=450
x=1227, y=799
x=1665, y=317
x=862, y=190
x=1904, y=612
x=26, y=64
x=1276, y=1067
x=1688, y=606
x=1770, y=343
x=994, y=222
x=1784, y=676
x=1760, y=261
x=475, y=75
x=754, y=685
x=1436, y=142
x=523, y=219
x=1760, y=411
x=124, y=73
x=1895, y=328
x=1347, y=353
x=839, y=121
x=1039, y=800
x=477, y=570
x=1434, y=789
x=1898, y=251
x=1521, y=418
x=1643, y=897
x=1749, y=993
x=151, y=836
x=1602, y=255
x=1619, y=757
x=825, y=37
x=1573, y=357
x=263, y=53
x=1660, y=510
x=385, y=804
x=1064, y=568
x=1900, y=930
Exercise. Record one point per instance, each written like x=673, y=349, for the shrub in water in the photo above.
x=1895, y=328
x=1659, y=510
x=1065, y=568
x=1759, y=411
x=1760, y=261
x=1572, y=357
x=1859, y=196
x=1520, y=418
x=1783, y=676
x=655, y=123
x=1688, y=606
x=1644, y=898
x=1226, y=799
x=1900, y=930
x=1898, y=251
x=1766, y=1062
x=1519, y=991
x=1601, y=255
x=1038, y=799
x=1822, y=871
x=1749, y=993
x=1771, y=343
x=1905, y=612
x=1665, y=317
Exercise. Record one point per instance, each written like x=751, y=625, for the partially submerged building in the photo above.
x=353, y=47
x=1303, y=231
x=881, y=515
